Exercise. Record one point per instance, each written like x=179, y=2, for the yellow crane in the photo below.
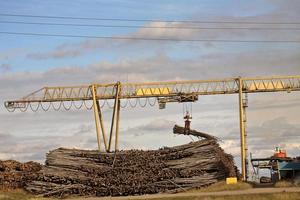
x=162, y=92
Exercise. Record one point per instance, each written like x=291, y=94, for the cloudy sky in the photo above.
x=28, y=63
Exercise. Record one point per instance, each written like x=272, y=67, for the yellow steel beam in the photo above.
x=102, y=125
x=242, y=130
x=96, y=115
x=162, y=89
x=115, y=112
x=117, y=125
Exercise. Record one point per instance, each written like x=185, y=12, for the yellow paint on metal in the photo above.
x=96, y=114
x=153, y=91
x=231, y=180
x=267, y=85
x=242, y=131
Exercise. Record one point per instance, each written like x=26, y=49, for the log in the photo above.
x=180, y=130
x=134, y=172
x=14, y=174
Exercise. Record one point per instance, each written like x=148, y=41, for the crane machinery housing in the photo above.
x=162, y=92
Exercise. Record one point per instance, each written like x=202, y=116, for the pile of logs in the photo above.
x=14, y=174
x=133, y=172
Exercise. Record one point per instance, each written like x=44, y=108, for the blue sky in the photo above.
x=163, y=10
x=30, y=62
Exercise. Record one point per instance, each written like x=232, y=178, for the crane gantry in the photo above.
x=162, y=92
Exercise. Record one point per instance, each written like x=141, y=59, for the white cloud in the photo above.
x=5, y=156
x=232, y=147
x=282, y=12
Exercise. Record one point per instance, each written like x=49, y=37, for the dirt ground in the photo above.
x=203, y=194
x=288, y=193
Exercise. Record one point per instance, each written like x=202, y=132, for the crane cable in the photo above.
x=73, y=104
x=46, y=109
x=187, y=108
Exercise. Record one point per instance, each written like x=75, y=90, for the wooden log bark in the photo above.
x=15, y=175
x=133, y=172
x=180, y=130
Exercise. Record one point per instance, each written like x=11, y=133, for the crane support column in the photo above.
x=96, y=115
x=242, y=131
x=117, y=126
x=102, y=125
x=116, y=111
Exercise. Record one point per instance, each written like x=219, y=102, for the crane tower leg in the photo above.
x=117, y=126
x=242, y=132
x=96, y=115
x=114, y=120
x=102, y=125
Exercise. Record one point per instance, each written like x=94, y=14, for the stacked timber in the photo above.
x=133, y=172
x=14, y=174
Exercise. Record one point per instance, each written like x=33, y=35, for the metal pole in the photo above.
x=242, y=130
x=96, y=115
x=278, y=170
x=113, y=116
x=102, y=125
x=117, y=126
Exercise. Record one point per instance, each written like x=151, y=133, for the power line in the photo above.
x=141, y=20
x=150, y=39
x=148, y=27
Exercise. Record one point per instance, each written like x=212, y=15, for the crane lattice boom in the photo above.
x=174, y=89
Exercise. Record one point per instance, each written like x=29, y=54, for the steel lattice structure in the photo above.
x=154, y=92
